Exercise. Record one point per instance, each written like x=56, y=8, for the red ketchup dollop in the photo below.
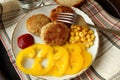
x=25, y=40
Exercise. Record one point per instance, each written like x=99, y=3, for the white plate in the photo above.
x=21, y=29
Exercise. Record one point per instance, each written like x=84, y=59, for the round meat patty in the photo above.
x=55, y=33
x=36, y=22
x=59, y=9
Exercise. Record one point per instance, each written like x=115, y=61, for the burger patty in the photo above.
x=55, y=33
x=59, y=9
x=36, y=22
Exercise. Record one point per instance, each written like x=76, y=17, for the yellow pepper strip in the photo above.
x=61, y=58
x=38, y=52
x=75, y=60
x=87, y=57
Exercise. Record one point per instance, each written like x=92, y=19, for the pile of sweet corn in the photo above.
x=82, y=34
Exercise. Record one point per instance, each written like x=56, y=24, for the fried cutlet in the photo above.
x=55, y=33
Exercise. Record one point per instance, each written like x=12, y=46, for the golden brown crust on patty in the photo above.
x=59, y=9
x=36, y=22
x=55, y=33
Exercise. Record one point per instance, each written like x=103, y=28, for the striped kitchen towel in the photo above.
x=101, y=19
x=106, y=65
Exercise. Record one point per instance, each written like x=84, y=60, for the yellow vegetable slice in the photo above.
x=75, y=59
x=87, y=57
x=38, y=52
x=61, y=58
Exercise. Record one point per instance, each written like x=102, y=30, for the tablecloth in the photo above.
x=106, y=65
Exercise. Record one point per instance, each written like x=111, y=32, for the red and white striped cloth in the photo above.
x=106, y=65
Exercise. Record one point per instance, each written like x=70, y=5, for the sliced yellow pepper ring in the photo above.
x=61, y=58
x=75, y=59
x=87, y=57
x=38, y=52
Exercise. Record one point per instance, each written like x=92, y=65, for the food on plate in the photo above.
x=25, y=40
x=60, y=57
x=59, y=9
x=70, y=2
x=37, y=52
x=36, y=22
x=61, y=61
x=54, y=60
x=82, y=34
x=75, y=58
x=55, y=33
x=87, y=57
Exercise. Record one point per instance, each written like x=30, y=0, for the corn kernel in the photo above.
x=72, y=27
x=83, y=31
x=77, y=38
x=87, y=45
x=90, y=32
x=92, y=37
x=72, y=38
x=81, y=34
x=89, y=40
x=91, y=43
x=77, y=33
x=75, y=30
x=72, y=42
x=78, y=28
x=82, y=39
x=87, y=36
x=72, y=33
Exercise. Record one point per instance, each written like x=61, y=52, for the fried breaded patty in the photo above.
x=55, y=33
x=59, y=9
x=36, y=22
